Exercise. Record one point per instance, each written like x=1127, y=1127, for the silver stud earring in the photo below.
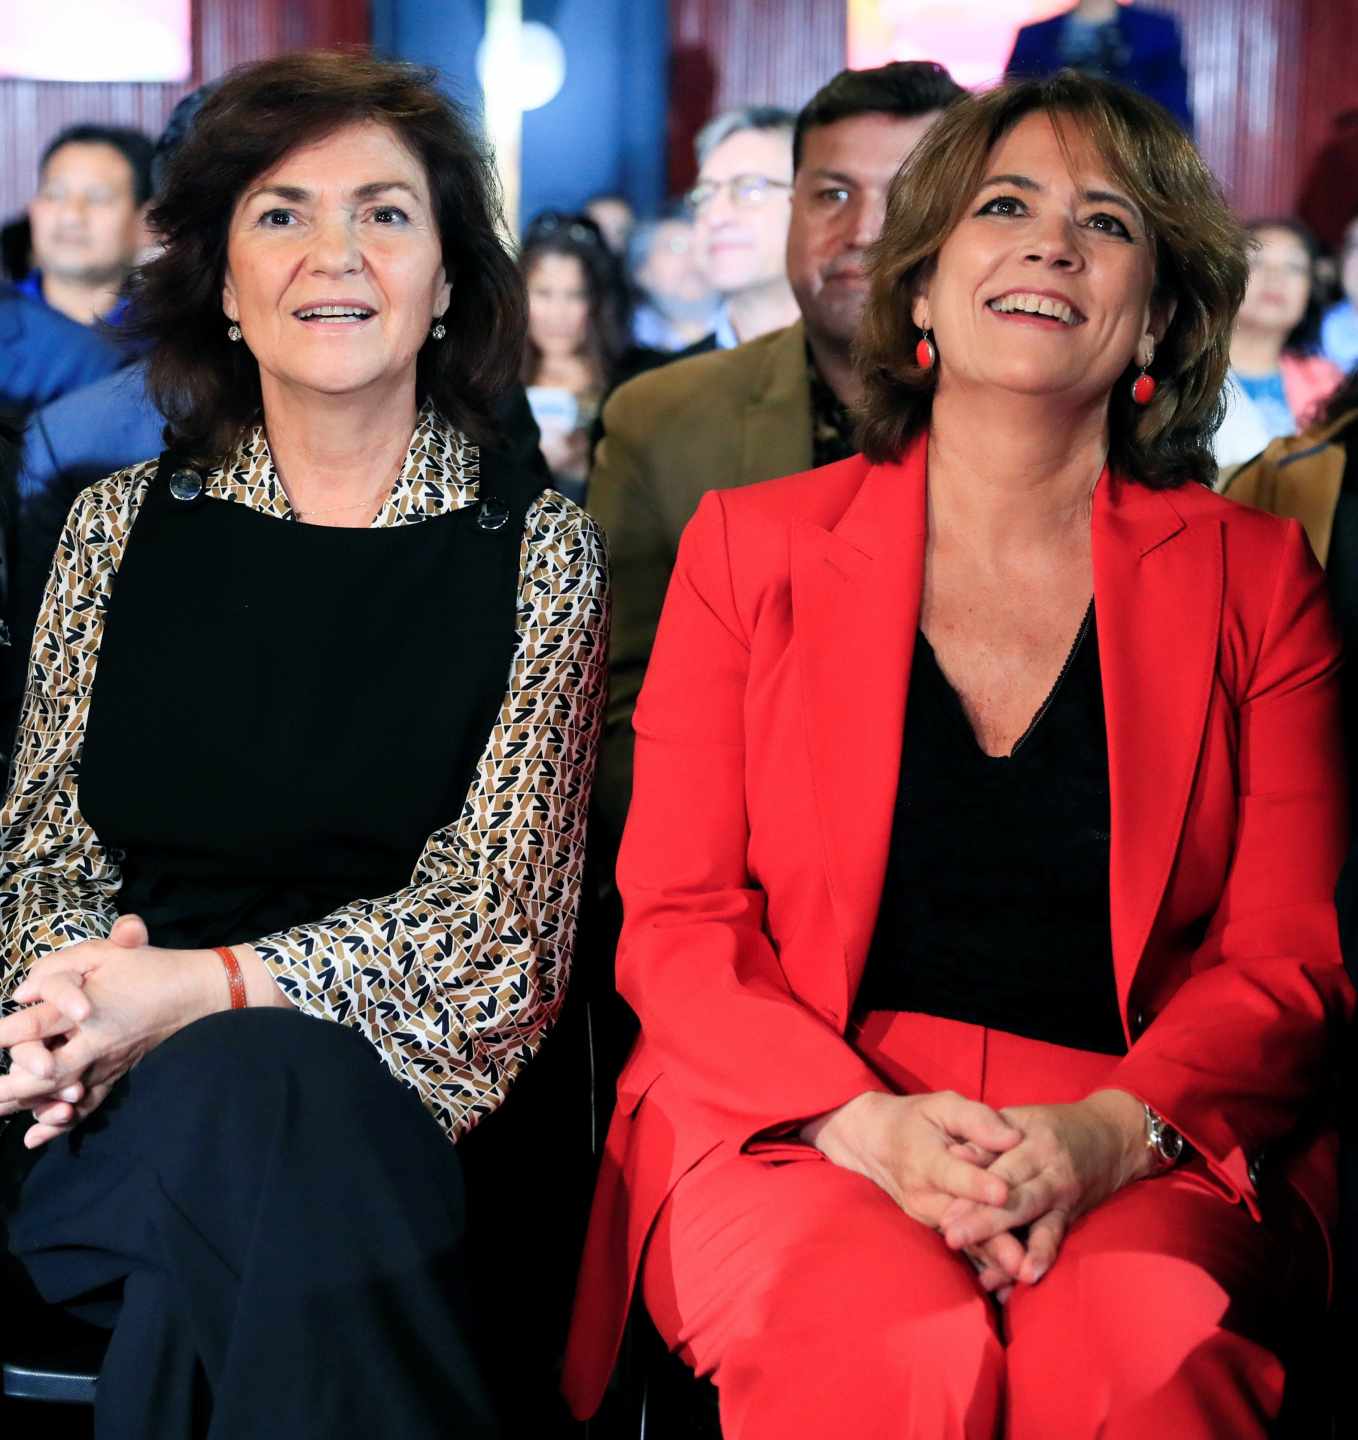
x=233, y=332
x=439, y=330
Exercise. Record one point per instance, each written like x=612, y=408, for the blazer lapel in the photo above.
x=1158, y=588
x=855, y=611
x=777, y=427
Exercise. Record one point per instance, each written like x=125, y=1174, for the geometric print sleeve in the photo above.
x=57, y=882
x=456, y=978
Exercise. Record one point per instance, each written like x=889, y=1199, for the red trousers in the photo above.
x=821, y=1310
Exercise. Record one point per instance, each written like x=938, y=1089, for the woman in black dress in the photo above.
x=299, y=786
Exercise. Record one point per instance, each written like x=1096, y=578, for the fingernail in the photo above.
x=70, y=1094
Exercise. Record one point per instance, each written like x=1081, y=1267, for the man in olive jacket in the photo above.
x=775, y=406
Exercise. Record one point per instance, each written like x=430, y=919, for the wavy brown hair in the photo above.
x=206, y=387
x=1199, y=251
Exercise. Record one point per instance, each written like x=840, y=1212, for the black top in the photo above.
x=282, y=713
x=995, y=908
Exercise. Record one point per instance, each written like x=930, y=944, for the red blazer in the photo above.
x=768, y=747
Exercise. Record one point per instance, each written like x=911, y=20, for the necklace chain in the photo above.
x=377, y=494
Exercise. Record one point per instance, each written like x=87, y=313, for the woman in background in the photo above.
x=577, y=335
x=1278, y=376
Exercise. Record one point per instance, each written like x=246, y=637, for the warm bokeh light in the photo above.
x=96, y=40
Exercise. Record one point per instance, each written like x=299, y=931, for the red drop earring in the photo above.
x=925, y=355
x=1143, y=388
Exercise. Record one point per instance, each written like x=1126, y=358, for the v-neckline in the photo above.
x=1042, y=709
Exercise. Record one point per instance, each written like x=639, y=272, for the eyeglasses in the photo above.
x=746, y=191
x=574, y=227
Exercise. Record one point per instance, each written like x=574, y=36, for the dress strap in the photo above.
x=506, y=489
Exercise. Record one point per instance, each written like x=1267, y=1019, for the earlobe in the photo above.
x=229, y=307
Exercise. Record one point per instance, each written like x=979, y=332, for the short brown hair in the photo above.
x=208, y=388
x=1198, y=247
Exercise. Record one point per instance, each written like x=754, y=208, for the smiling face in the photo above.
x=335, y=267
x=1045, y=284
x=558, y=305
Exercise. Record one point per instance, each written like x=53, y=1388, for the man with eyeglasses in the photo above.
x=741, y=208
x=774, y=406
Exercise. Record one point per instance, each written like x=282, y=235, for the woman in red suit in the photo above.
x=978, y=877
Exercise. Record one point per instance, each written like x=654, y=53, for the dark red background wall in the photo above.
x=225, y=33
x=1270, y=77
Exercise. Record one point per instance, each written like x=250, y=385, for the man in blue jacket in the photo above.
x=1139, y=47
x=43, y=355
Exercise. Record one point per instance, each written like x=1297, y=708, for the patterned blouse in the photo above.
x=454, y=979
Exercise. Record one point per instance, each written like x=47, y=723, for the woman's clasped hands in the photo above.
x=92, y=1010
x=1002, y=1186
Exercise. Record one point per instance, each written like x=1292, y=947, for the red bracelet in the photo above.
x=235, y=980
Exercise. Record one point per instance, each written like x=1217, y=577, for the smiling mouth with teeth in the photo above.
x=1043, y=305
x=333, y=314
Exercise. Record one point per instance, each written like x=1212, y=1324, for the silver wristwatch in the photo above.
x=1162, y=1140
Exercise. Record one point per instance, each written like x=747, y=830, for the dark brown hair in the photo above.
x=207, y=387
x=1198, y=249
x=904, y=87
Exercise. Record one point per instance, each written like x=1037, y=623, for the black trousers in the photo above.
x=273, y=1227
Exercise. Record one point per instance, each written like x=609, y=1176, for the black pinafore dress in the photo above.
x=283, y=713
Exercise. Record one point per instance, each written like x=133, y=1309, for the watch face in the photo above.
x=1166, y=1141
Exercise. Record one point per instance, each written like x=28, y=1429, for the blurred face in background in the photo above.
x=1280, y=284
x=671, y=274
x=741, y=209
x=558, y=305
x=838, y=205
x=1348, y=260
x=87, y=225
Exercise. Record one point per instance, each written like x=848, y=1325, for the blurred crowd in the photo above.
x=614, y=294
x=611, y=294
